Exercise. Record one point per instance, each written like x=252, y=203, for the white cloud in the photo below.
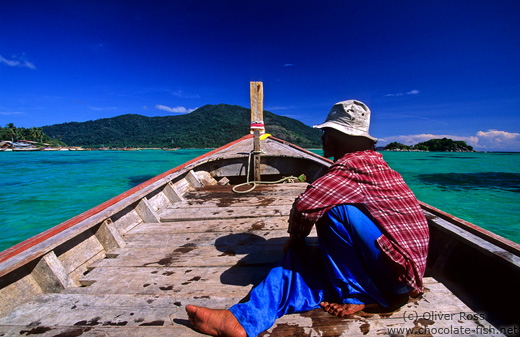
x=411, y=92
x=491, y=140
x=19, y=62
x=288, y=65
x=498, y=140
x=177, y=109
x=10, y=113
x=499, y=134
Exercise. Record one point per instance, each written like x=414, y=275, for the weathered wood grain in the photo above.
x=204, y=282
x=127, y=221
x=193, y=180
x=206, y=239
x=108, y=236
x=205, y=226
x=15, y=293
x=178, y=330
x=146, y=211
x=170, y=191
x=207, y=213
x=218, y=191
x=93, y=310
x=436, y=309
x=233, y=201
x=192, y=255
x=50, y=274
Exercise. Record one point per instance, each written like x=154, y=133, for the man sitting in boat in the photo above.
x=372, y=232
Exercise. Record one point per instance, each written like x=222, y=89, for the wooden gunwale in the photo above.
x=496, y=239
x=39, y=238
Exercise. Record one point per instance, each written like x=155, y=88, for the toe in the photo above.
x=191, y=309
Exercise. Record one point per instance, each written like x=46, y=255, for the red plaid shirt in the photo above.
x=365, y=178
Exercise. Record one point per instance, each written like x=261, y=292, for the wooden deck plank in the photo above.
x=218, y=191
x=64, y=311
x=77, y=310
x=221, y=203
x=99, y=331
x=208, y=213
x=204, y=239
x=191, y=255
x=203, y=282
x=193, y=247
x=203, y=226
x=234, y=201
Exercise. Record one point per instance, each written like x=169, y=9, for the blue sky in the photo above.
x=426, y=69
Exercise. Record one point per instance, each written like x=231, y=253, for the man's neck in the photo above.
x=343, y=152
x=342, y=144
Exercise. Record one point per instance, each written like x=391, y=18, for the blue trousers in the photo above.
x=347, y=267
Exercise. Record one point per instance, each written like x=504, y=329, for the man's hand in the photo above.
x=288, y=245
x=292, y=242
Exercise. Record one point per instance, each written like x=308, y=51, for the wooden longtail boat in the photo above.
x=129, y=266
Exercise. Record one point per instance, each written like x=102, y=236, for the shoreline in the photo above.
x=79, y=148
x=75, y=148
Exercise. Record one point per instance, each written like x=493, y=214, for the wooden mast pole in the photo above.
x=257, y=107
x=257, y=123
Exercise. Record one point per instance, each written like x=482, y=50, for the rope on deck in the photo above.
x=290, y=179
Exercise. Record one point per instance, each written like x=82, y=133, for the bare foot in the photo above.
x=341, y=310
x=215, y=322
x=414, y=293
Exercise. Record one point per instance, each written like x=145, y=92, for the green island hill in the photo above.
x=209, y=126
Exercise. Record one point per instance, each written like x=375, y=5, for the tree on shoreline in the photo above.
x=35, y=134
x=395, y=146
x=10, y=131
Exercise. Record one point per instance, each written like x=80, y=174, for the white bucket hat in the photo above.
x=350, y=117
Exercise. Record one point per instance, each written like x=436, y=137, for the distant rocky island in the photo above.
x=433, y=145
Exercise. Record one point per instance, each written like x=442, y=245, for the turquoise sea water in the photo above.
x=39, y=190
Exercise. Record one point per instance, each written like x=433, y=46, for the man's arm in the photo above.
x=300, y=224
x=336, y=187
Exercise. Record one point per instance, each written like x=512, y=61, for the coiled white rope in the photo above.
x=255, y=183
